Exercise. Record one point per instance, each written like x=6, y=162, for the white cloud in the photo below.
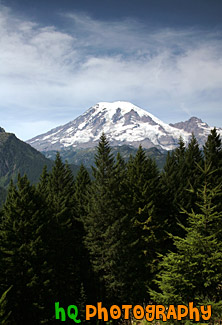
x=50, y=73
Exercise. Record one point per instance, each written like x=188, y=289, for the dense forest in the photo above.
x=131, y=234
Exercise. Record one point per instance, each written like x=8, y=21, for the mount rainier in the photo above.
x=123, y=124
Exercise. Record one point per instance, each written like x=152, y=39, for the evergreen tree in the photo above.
x=64, y=242
x=22, y=254
x=82, y=183
x=3, y=306
x=213, y=150
x=179, y=176
x=191, y=173
x=173, y=184
x=103, y=224
x=194, y=271
x=145, y=224
x=82, y=186
x=42, y=185
x=213, y=156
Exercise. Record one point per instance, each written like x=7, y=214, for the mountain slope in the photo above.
x=122, y=122
x=86, y=156
x=196, y=126
x=16, y=157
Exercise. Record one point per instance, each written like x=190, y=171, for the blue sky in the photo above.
x=59, y=57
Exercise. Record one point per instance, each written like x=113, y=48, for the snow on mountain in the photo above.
x=122, y=123
x=196, y=126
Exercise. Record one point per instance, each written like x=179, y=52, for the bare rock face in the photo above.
x=2, y=130
x=123, y=123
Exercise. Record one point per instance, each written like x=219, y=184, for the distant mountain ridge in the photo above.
x=196, y=126
x=124, y=124
x=86, y=156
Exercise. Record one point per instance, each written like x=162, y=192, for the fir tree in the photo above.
x=22, y=253
x=191, y=173
x=173, y=184
x=82, y=186
x=194, y=271
x=3, y=306
x=179, y=176
x=82, y=183
x=42, y=185
x=213, y=150
x=145, y=224
x=213, y=157
x=64, y=243
x=103, y=223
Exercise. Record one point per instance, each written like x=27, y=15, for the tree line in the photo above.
x=130, y=234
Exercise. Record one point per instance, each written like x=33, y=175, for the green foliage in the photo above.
x=85, y=156
x=3, y=195
x=145, y=224
x=194, y=271
x=101, y=214
x=21, y=252
x=82, y=184
x=64, y=242
x=3, y=303
x=81, y=240
x=213, y=157
x=179, y=176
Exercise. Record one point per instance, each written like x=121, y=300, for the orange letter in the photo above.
x=179, y=311
x=102, y=310
x=208, y=311
x=115, y=312
x=127, y=309
x=88, y=314
x=160, y=309
x=150, y=309
x=138, y=312
x=171, y=312
x=194, y=310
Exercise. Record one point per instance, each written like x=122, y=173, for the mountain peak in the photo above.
x=123, y=124
x=123, y=106
x=2, y=130
x=121, y=121
x=192, y=125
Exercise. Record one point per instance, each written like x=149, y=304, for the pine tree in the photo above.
x=194, y=271
x=213, y=157
x=42, y=185
x=145, y=224
x=82, y=183
x=173, y=184
x=179, y=176
x=64, y=243
x=104, y=223
x=213, y=150
x=22, y=253
x=82, y=186
x=3, y=305
x=192, y=173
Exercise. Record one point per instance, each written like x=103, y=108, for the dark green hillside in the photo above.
x=86, y=156
x=3, y=194
x=16, y=157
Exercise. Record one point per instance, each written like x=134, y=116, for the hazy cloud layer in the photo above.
x=50, y=76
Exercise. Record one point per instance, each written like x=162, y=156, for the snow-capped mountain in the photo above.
x=123, y=123
x=196, y=126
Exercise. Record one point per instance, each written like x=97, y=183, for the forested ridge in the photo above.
x=131, y=234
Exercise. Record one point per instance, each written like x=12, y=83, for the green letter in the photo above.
x=73, y=315
x=59, y=310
